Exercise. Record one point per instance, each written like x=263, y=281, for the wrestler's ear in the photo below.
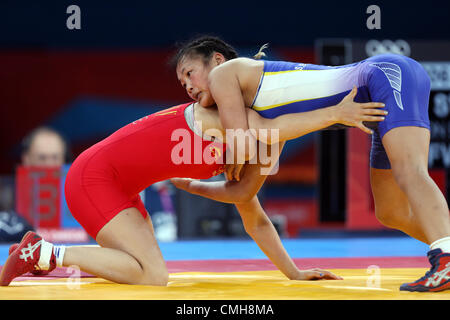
x=218, y=58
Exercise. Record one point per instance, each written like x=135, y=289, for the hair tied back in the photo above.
x=261, y=53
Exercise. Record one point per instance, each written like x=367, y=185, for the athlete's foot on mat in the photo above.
x=31, y=252
x=437, y=278
x=37, y=271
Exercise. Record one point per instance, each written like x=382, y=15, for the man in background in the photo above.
x=43, y=147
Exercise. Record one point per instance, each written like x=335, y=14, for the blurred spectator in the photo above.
x=43, y=147
x=6, y=192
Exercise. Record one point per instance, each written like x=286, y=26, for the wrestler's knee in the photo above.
x=409, y=175
x=154, y=278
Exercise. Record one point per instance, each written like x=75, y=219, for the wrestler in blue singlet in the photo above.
x=399, y=82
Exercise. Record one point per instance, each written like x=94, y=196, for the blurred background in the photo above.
x=83, y=69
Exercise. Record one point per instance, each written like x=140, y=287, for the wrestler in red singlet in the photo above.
x=108, y=177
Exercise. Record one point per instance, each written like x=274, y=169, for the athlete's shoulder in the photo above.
x=279, y=66
x=242, y=61
x=236, y=65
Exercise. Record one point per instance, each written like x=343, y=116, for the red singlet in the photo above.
x=108, y=177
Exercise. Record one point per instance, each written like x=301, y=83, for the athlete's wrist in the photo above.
x=334, y=114
x=295, y=274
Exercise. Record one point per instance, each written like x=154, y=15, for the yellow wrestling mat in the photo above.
x=250, y=285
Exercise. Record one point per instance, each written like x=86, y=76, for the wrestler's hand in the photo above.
x=233, y=171
x=316, y=274
x=181, y=183
x=353, y=114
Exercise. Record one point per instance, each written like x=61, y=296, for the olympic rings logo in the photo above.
x=375, y=47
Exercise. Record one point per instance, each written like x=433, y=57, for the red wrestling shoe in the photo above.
x=37, y=271
x=33, y=252
x=437, y=278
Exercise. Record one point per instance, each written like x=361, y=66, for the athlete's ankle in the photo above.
x=443, y=244
x=59, y=252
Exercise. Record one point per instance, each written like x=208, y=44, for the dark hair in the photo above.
x=203, y=46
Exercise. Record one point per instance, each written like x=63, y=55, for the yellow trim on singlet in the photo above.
x=161, y=113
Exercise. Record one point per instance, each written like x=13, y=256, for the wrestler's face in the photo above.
x=193, y=71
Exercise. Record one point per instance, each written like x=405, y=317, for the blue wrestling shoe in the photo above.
x=437, y=278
